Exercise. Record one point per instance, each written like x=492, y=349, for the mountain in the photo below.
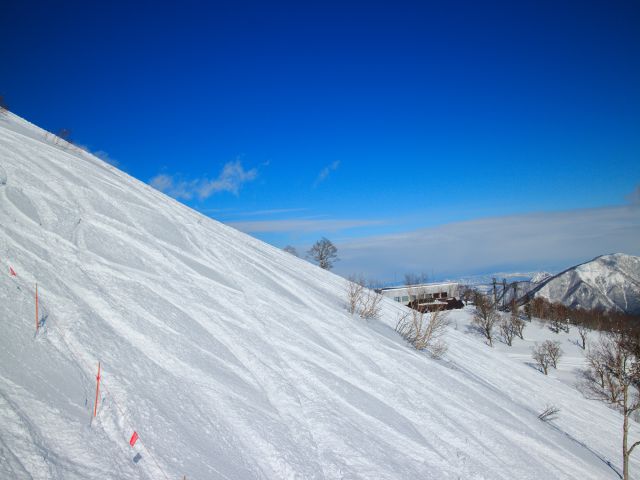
x=540, y=277
x=232, y=359
x=609, y=282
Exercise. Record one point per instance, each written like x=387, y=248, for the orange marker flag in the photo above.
x=134, y=438
x=95, y=405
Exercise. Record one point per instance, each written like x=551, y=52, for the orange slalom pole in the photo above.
x=95, y=405
x=37, y=319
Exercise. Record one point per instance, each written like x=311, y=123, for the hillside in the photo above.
x=608, y=282
x=233, y=359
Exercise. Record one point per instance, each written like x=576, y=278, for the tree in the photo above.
x=549, y=413
x=528, y=311
x=3, y=106
x=370, y=304
x=292, y=250
x=355, y=287
x=516, y=321
x=485, y=316
x=553, y=351
x=422, y=334
x=415, y=278
x=365, y=301
x=508, y=331
x=324, y=253
x=615, y=378
x=541, y=357
x=583, y=332
x=467, y=294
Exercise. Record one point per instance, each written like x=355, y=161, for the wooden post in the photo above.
x=37, y=318
x=95, y=405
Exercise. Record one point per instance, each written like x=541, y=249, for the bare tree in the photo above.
x=601, y=382
x=292, y=250
x=485, y=317
x=553, y=351
x=617, y=354
x=528, y=311
x=507, y=330
x=415, y=278
x=583, y=332
x=324, y=253
x=549, y=413
x=3, y=106
x=370, y=304
x=362, y=300
x=517, y=323
x=541, y=357
x=355, y=287
x=467, y=294
x=424, y=334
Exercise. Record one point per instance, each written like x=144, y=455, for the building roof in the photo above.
x=419, y=286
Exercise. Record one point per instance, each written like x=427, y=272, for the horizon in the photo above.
x=456, y=142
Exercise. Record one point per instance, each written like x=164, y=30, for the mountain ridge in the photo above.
x=607, y=282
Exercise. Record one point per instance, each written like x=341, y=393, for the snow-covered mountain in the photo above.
x=540, y=277
x=232, y=359
x=609, y=282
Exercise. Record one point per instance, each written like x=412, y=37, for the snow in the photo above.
x=233, y=359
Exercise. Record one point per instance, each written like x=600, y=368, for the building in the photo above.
x=424, y=294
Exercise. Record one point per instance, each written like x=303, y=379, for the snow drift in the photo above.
x=232, y=359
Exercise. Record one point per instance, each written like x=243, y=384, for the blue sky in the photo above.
x=364, y=123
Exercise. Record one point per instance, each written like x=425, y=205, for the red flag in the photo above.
x=134, y=438
x=12, y=271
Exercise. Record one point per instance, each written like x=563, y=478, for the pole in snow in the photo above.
x=37, y=319
x=95, y=405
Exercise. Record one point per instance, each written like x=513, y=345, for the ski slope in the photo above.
x=233, y=359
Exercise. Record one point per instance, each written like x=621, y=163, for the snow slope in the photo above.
x=233, y=359
x=609, y=282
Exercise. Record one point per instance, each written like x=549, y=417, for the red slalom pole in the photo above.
x=95, y=405
x=37, y=319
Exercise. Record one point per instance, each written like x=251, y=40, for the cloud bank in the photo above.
x=528, y=241
x=301, y=225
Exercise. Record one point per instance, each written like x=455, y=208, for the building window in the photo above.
x=405, y=298
x=397, y=299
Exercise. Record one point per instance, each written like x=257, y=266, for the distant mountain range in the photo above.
x=608, y=282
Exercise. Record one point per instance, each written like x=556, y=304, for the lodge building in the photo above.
x=423, y=294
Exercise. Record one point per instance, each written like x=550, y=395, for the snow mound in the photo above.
x=231, y=358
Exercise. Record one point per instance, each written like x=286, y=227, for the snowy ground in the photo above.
x=232, y=359
x=571, y=364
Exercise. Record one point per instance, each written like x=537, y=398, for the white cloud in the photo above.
x=324, y=173
x=272, y=211
x=301, y=225
x=232, y=177
x=530, y=241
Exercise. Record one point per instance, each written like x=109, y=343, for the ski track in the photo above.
x=233, y=359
